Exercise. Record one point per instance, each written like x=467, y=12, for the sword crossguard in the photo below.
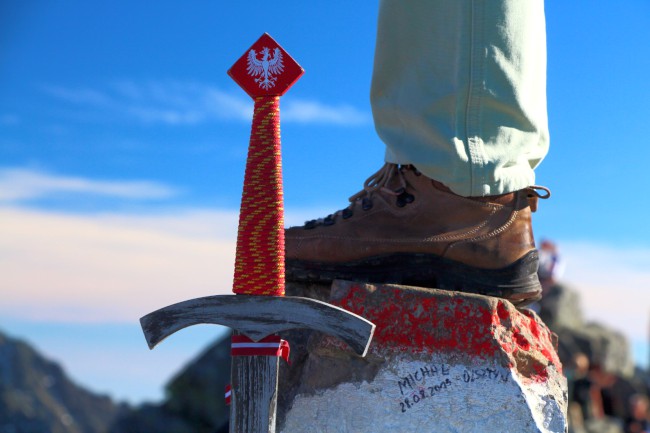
x=259, y=316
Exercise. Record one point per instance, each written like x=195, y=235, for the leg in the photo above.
x=459, y=91
x=458, y=96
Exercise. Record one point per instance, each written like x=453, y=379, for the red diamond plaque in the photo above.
x=266, y=69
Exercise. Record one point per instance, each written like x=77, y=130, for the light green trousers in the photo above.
x=459, y=90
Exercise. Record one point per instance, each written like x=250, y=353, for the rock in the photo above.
x=561, y=310
x=152, y=418
x=605, y=425
x=609, y=349
x=195, y=400
x=561, y=307
x=37, y=396
x=439, y=361
x=197, y=392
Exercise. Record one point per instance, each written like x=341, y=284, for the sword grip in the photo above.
x=259, y=259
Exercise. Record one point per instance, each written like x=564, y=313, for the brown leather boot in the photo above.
x=406, y=228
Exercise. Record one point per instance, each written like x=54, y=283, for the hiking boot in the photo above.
x=405, y=228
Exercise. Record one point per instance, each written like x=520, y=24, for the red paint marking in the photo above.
x=420, y=324
x=408, y=329
x=502, y=311
x=521, y=340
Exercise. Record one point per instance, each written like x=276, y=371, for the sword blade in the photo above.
x=254, y=394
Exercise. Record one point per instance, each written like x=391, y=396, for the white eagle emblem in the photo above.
x=266, y=68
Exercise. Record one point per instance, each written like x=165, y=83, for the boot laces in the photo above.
x=377, y=182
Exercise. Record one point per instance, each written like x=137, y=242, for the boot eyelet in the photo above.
x=366, y=203
x=346, y=213
x=404, y=198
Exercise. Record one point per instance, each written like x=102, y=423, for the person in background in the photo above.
x=639, y=420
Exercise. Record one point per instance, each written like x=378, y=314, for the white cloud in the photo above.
x=79, y=95
x=110, y=268
x=187, y=103
x=316, y=112
x=177, y=103
x=24, y=184
x=614, y=283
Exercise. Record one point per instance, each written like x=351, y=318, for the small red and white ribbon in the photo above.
x=228, y=395
x=272, y=345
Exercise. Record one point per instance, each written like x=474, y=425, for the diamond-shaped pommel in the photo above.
x=265, y=69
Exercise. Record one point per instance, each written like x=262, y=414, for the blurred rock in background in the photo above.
x=36, y=396
x=597, y=359
x=194, y=398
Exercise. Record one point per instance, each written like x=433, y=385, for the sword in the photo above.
x=259, y=310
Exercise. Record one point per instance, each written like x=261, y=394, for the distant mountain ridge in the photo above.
x=36, y=396
x=194, y=400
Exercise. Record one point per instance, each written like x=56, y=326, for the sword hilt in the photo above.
x=259, y=259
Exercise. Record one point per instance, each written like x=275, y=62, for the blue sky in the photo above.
x=123, y=144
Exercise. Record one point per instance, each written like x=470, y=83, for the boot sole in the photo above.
x=518, y=282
